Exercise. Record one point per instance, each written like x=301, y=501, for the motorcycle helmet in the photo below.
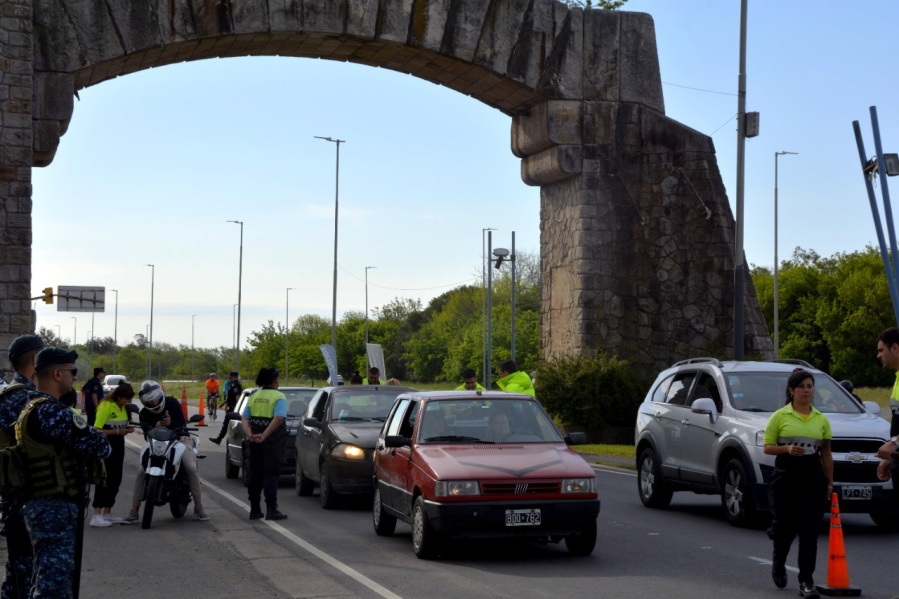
x=152, y=397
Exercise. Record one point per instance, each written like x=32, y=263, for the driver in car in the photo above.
x=499, y=426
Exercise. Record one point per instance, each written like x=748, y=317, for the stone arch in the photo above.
x=636, y=230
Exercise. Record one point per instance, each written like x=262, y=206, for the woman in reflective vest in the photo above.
x=263, y=421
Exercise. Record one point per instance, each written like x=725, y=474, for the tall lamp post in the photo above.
x=75, y=333
x=150, y=340
x=488, y=371
x=115, y=333
x=337, y=142
x=192, y=317
x=287, y=331
x=239, y=288
x=776, y=266
x=484, y=363
x=502, y=254
x=366, y=303
x=233, y=324
x=59, y=332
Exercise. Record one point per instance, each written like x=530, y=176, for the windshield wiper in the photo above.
x=457, y=439
x=352, y=419
x=751, y=409
x=380, y=418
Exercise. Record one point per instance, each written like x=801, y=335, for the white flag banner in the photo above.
x=376, y=358
x=330, y=355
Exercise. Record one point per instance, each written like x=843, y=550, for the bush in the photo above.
x=590, y=391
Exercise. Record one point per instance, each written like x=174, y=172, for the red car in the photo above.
x=478, y=464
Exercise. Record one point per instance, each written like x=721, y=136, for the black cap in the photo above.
x=98, y=370
x=233, y=373
x=55, y=355
x=24, y=344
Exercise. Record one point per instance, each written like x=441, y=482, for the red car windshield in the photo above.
x=473, y=420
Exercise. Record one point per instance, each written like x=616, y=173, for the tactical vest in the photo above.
x=50, y=470
x=6, y=440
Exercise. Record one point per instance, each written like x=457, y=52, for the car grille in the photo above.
x=847, y=472
x=521, y=488
x=855, y=445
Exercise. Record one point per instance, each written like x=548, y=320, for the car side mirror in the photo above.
x=705, y=405
x=872, y=407
x=397, y=441
x=576, y=439
x=312, y=422
x=131, y=408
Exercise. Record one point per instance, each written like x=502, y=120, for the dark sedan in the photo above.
x=236, y=455
x=337, y=440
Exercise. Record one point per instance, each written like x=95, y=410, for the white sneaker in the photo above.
x=98, y=520
x=113, y=519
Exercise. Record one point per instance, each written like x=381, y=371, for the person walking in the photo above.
x=800, y=487
x=22, y=352
x=55, y=441
x=263, y=421
x=93, y=394
x=513, y=380
x=233, y=391
x=112, y=419
x=470, y=381
x=888, y=354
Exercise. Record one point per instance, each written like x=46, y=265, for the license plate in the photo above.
x=523, y=517
x=856, y=492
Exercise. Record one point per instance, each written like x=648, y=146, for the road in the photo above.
x=685, y=551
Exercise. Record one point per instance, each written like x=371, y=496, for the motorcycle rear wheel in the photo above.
x=150, y=503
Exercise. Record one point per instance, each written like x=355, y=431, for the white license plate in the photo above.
x=856, y=492
x=523, y=517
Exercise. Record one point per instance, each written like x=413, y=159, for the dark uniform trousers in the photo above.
x=266, y=462
x=51, y=524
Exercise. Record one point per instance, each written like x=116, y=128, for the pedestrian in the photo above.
x=513, y=380
x=374, y=377
x=802, y=482
x=888, y=354
x=470, y=381
x=263, y=421
x=233, y=389
x=113, y=421
x=93, y=394
x=356, y=379
x=22, y=352
x=55, y=442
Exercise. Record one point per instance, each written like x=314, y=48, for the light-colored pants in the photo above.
x=188, y=462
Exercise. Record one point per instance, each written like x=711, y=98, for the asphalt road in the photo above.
x=685, y=551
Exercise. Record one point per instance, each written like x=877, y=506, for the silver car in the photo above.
x=701, y=428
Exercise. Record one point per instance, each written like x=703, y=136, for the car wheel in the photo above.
x=329, y=497
x=425, y=541
x=245, y=466
x=650, y=484
x=383, y=522
x=583, y=543
x=886, y=521
x=231, y=471
x=736, y=494
x=302, y=483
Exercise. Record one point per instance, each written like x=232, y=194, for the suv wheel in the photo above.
x=736, y=494
x=652, y=488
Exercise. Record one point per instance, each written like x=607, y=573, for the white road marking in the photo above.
x=611, y=470
x=767, y=562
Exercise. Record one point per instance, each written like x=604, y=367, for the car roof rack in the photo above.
x=714, y=361
x=793, y=361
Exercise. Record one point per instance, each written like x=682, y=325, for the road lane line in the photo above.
x=767, y=562
x=613, y=470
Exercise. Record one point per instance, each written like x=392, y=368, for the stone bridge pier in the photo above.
x=637, y=236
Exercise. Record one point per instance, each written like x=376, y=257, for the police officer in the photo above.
x=233, y=389
x=54, y=439
x=799, y=435
x=263, y=421
x=22, y=352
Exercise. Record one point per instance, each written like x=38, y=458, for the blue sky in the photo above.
x=156, y=162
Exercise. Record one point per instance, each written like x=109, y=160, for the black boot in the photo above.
x=216, y=440
x=272, y=513
x=255, y=511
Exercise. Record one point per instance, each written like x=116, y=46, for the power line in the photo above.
x=708, y=91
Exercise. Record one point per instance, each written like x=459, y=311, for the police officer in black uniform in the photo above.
x=22, y=352
x=263, y=421
x=233, y=389
x=54, y=440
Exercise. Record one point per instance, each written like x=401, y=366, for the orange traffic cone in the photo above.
x=184, y=408
x=202, y=411
x=837, y=571
x=184, y=392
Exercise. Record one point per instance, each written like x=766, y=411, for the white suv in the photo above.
x=701, y=428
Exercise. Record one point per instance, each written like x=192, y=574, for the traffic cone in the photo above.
x=184, y=392
x=184, y=408
x=837, y=571
x=202, y=411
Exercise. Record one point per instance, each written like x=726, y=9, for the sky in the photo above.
x=155, y=163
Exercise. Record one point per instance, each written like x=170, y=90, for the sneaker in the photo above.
x=275, y=515
x=780, y=576
x=113, y=519
x=807, y=589
x=200, y=514
x=98, y=520
x=131, y=518
x=216, y=440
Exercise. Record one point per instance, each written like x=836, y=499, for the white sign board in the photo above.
x=80, y=299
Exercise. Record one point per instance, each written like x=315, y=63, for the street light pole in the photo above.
x=739, y=273
x=59, y=333
x=337, y=142
x=75, y=333
x=484, y=303
x=488, y=371
x=366, y=304
x=115, y=334
x=233, y=324
x=239, y=289
x=192, y=317
x=287, y=332
x=150, y=340
x=776, y=265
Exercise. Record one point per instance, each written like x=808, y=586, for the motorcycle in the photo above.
x=165, y=481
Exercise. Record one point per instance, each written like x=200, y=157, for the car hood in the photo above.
x=363, y=434
x=847, y=426
x=533, y=460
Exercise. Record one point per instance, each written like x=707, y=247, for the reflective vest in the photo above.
x=262, y=408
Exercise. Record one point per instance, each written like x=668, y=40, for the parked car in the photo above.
x=236, y=455
x=470, y=465
x=111, y=381
x=335, y=447
x=701, y=428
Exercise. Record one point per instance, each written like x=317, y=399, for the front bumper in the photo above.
x=487, y=519
x=351, y=477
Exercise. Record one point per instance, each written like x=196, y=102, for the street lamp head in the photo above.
x=238, y=222
x=500, y=254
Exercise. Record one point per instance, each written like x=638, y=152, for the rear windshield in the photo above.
x=767, y=392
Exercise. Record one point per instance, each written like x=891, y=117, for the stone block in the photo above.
x=323, y=16
x=394, y=20
x=562, y=73
x=500, y=33
x=641, y=79
x=463, y=27
x=552, y=165
x=556, y=122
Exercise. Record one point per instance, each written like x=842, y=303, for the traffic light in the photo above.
x=48, y=295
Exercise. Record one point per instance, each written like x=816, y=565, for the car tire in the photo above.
x=885, y=521
x=245, y=465
x=302, y=483
x=231, y=471
x=383, y=522
x=650, y=484
x=736, y=494
x=328, y=496
x=425, y=542
x=584, y=543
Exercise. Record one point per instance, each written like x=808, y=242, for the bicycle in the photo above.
x=212, y=405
